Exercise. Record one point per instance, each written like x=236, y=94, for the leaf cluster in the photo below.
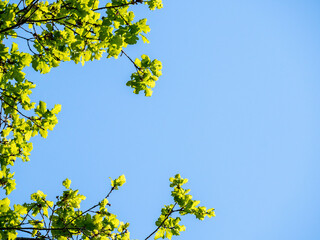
x=64, y=219
x=55, y=32
x=50, y=33
x=183, y=204
x=61, y=219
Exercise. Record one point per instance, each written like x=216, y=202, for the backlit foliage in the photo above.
x=43, y=34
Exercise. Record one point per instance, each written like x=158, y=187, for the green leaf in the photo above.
x=56, y=109
x=159, y=234
x=66, y=183
x=43, y=107
x=144, y=38
x=14, y=47
x=4, y=205
x=6, y=132
x=118, y=182
x=21, y=210
x=43, y=133
x=28, y=135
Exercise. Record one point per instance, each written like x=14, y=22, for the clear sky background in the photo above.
x=236, y=112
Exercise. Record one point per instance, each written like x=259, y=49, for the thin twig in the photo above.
x=130, y=60
x=26, y=215
x=88, y=209
x=122, y=5
x=171, y=211
x=2, y=99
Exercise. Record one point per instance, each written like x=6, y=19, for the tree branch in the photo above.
x=88, y=209
x=32, y=120
x=171, y=211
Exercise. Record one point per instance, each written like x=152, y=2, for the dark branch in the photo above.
x=32, y=120
x=168, y=215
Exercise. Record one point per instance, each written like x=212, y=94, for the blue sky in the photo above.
x=236, y=112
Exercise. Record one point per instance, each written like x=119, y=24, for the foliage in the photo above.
x=64, y=219
x=51, y=32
